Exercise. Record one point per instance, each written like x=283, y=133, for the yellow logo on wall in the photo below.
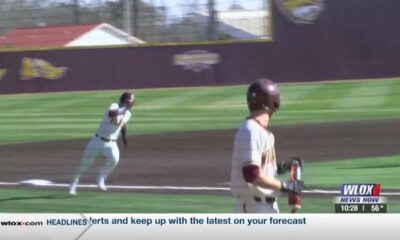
x=39, y=68
x=3, y=73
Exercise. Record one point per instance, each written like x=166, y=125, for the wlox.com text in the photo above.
x=20, y=223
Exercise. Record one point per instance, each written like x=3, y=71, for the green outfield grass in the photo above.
x=57, y=201
x=60, y=116
x=383, y=170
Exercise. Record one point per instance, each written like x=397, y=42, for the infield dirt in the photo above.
x=197, y=158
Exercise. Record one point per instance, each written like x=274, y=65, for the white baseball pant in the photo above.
x=95, y=148
x=247, y=204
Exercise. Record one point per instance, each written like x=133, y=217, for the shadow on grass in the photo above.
x=58, y=196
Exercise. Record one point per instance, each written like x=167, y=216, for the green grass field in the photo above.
x=383, y=170
x=28, y=200
x=59, y=116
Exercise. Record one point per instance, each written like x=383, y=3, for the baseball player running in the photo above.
x=254, y=167
x=104, y=142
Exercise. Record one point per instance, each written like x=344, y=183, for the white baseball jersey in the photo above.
x=110, y=130
x=253, y=145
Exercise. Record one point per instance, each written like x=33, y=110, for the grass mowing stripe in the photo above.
x=165, y=101
x=151, y=114
x=322, y=97
x=183, y=97
x=50, y=120
x=47, y=125
x=294, y=93
x=366, y=95
x=67, y=103
x=393, y=97
x=213, y=96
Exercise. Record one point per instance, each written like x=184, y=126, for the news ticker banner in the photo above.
x=198, y=226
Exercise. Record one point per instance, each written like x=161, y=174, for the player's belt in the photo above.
x=104, y=139
x=265, y=199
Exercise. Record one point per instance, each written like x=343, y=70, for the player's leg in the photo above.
x=263, y=207
x=275, y=207
x=112, y=155
x=90, y=153
x=242, y=205
x=249, y=205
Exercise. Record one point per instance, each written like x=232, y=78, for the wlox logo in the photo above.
x=360, y=193
x=360, y=190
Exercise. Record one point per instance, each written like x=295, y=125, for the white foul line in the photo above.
x=182, y=188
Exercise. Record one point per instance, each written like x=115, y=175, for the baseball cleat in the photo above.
x=72, y=187
x=101, y=184
x=72, y=190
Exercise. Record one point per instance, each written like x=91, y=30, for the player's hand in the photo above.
x=292, y=186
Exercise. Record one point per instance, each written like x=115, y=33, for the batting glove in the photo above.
x=292, y=186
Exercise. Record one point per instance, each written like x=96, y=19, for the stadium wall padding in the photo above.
x=352, y=39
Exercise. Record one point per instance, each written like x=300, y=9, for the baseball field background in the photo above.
x=346, y=131
x=180, y=139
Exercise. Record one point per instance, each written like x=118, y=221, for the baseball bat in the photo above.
x=294, y=199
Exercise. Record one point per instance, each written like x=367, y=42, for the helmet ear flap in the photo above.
x=276, y=105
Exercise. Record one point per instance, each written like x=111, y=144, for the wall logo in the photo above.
x=196, y=60
x=3, y=73
x=39, y=68
x=301, y=11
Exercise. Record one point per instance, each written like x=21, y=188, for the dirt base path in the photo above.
x=197, y=158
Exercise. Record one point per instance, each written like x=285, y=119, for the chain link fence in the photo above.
x=152, y=21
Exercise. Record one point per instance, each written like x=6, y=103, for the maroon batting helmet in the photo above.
x=263, y=94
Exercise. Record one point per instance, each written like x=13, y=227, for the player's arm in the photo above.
x=253, y=174
x=125, y=119
x=124, y=126
x=250, y=155
x=113, y=113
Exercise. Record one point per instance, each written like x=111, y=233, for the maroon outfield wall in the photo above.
x=351, y=39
